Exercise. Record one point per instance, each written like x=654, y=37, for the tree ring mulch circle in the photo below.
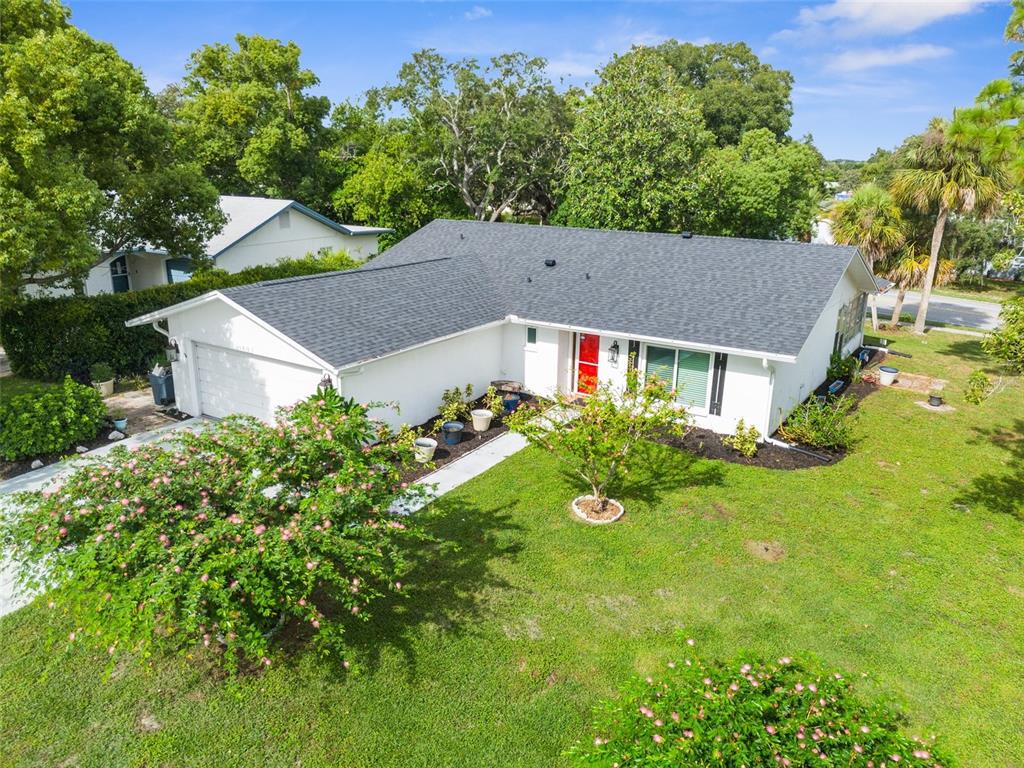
x=588, y=509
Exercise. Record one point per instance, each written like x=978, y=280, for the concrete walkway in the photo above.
x=40, y=478
x=464, y=468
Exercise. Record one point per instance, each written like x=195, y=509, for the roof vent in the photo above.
x=687, y=235
x=462, y=235
x=549, y=262
x=529, y=279
x=588, y=275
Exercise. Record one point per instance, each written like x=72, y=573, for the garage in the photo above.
x=242, y=382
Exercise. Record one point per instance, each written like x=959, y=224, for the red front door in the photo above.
x=586, y=371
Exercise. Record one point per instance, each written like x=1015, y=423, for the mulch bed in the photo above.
x=471, y=440
x=708, y=445
x=10, y=469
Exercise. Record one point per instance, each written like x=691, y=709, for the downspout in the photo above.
x=771, y=395
x=158, y=329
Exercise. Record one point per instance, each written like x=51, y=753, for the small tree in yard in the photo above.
x=597, y=437
x=223, y=536
x=1007, y=343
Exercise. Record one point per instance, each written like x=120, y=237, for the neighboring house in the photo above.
x=259, y=230
x=743, y=328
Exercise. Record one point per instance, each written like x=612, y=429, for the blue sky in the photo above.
x=868, y=73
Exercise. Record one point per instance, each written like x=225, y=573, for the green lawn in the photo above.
x=904, y=565
x=990, y=290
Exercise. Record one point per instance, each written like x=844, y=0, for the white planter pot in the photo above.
x=424, y=448
x=105, y=388
x=582, y=516
x=481, y=419
x=887, y=375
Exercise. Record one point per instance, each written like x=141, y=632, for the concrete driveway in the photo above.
x=970, y=313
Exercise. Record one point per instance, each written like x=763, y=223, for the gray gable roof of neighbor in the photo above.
x=759, y=296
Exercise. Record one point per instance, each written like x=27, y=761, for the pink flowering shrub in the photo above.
x=748, y=714
x=224, y=535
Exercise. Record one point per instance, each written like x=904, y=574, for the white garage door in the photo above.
x=240, y=382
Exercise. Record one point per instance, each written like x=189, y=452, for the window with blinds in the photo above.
x=686, y=371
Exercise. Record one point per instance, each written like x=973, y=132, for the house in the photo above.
x=742, y=328
x=259, y=230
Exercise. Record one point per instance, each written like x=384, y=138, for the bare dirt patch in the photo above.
x=769, y=551
x=147, y=723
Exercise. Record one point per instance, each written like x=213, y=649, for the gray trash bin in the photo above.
x=163, y=388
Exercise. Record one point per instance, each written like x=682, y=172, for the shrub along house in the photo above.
x=743, y=329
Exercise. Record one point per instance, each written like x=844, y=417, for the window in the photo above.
x=119, y=274
x=179, y=270
x=684, y=370
x=850, y=320
x=531, y=336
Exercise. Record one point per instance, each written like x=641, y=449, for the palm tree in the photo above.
x=947, y=173
x=907, y=270
x=871, y=219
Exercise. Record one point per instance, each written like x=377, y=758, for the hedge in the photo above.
x=48, y=338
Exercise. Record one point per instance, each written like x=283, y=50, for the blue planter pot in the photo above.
x=510, y=402
x=452, y=431
x=120, y=424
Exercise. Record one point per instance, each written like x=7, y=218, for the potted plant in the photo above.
x=424, y=448
x=481, y=419
x=887, y=375
x=452, y=431
x=935, y=398
x=120, y=419
x=102, y=377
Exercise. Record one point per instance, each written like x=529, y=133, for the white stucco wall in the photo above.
x=291, y=235
x=745, y=395
x=145, y=270
x=219, y=325
x=418, y=377
x=794, y=382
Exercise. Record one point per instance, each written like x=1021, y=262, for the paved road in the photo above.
x=946, y=309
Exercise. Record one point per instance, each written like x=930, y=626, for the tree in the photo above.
x=389, y=189
x=247, y=115
x=948, y=172
x=88, y=165
x=871, y=220
x=735, y=91
x=634, y=150
x=1007, y=343
x=762, y=188
x=598, y=438
x=907, y=269
x=493, y=134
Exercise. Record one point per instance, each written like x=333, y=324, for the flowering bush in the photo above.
x=49, y=420
x=748, y=714
x=223, y=535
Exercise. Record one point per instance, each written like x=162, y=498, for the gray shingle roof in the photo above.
x=757, y=295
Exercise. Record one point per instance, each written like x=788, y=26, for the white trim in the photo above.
x=867, y=270
x=691, y=345
x=212, y=295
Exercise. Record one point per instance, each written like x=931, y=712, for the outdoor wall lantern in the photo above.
x=172, y=352
x=326, y=383
x=613, y=352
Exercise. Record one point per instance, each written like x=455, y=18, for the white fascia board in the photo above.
x=174, y=309
x=184, y=306
x=866, y=270
x=659, y=340
x=359, y=363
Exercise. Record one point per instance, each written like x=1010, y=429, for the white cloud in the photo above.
x=851, y=18
x=478, y=12
x=878, y=58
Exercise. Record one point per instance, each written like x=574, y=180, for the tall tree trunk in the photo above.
x=933, y=262
x=898, y=307
x=873, y=302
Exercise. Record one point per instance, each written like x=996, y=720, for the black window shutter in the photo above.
x=718, y=383
x=634, y=355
